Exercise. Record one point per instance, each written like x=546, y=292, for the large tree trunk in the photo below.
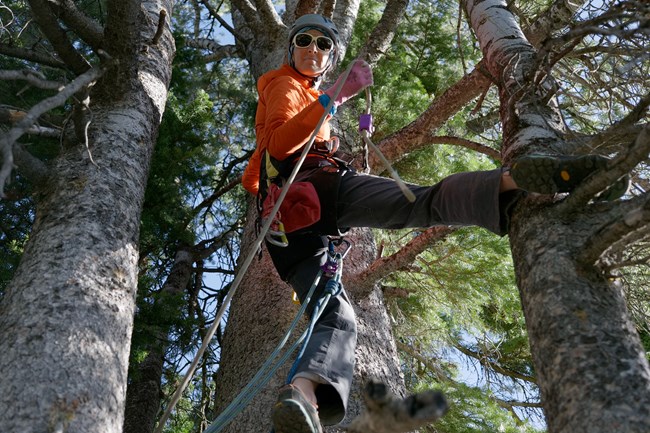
x=66, y=317
x=589, y=361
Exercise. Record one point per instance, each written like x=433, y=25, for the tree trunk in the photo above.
x=589, y=361
x=145, y=387
x=67, y=315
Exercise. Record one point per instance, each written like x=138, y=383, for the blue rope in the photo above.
x=266, y=371
x=332, y=288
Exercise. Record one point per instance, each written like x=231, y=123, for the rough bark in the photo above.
x=66, y=317
x=589, y=361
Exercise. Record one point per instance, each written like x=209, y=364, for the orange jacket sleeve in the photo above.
x=288, y=111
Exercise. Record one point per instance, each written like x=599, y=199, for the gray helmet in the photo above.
x=320, y=23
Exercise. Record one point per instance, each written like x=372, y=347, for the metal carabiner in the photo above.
x=277, y=237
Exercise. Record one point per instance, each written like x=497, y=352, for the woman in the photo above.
x=289, y=110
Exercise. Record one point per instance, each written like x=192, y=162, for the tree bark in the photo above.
x=590, y=365
x=67, y=315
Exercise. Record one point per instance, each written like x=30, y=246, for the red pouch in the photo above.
x=299, y=209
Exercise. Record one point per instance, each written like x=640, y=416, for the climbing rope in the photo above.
x=366, y=129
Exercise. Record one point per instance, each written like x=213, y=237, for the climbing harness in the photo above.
x=332, y=269
x=273, y=230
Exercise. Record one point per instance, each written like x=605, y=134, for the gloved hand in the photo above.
x=359, y=78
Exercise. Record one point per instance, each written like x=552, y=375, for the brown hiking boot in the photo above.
x=293, y=413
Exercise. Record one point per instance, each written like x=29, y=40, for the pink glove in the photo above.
x=359, y=78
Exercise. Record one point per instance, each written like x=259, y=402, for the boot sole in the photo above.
x=289, y=416
x=549, y=175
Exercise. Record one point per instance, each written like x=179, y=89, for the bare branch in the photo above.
x=7, y=140
x=48, y=24
x=87, y=28
x=32, y=168
x=388, y=413
x=623, y=165
x=219, y=52
x=467, y=144
x=160, y=28
x=34, y=78
x=215, y=14
x=31, y=56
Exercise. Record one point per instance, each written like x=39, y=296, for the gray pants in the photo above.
x=368, y=201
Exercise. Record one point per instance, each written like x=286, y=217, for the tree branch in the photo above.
x=215, y=14
x=617, y=168
x=32, y=168
x=48, y=24
x=382, y=35
x=219, y=52
x=467, y=144
x=387, y=413
x=306, y=7
x=267, y=12
x=399, y=144
x=87, y=28
x=7, y=140
x=34, y=78
x=31, y=56
x=485, y=362
x=364, y=282
x=249, y=14
x=438, y=372
x=552, y=19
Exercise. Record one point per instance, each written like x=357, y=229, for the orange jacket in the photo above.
x=288, y=111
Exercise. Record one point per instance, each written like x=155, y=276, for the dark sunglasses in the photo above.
x=303, y=40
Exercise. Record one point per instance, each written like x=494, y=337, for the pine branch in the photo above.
x=485, y=362
x=387, y=413
x=365, y=281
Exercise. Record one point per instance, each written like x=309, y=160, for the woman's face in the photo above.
x=311, y=60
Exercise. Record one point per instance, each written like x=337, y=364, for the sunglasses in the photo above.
x=303, y=40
